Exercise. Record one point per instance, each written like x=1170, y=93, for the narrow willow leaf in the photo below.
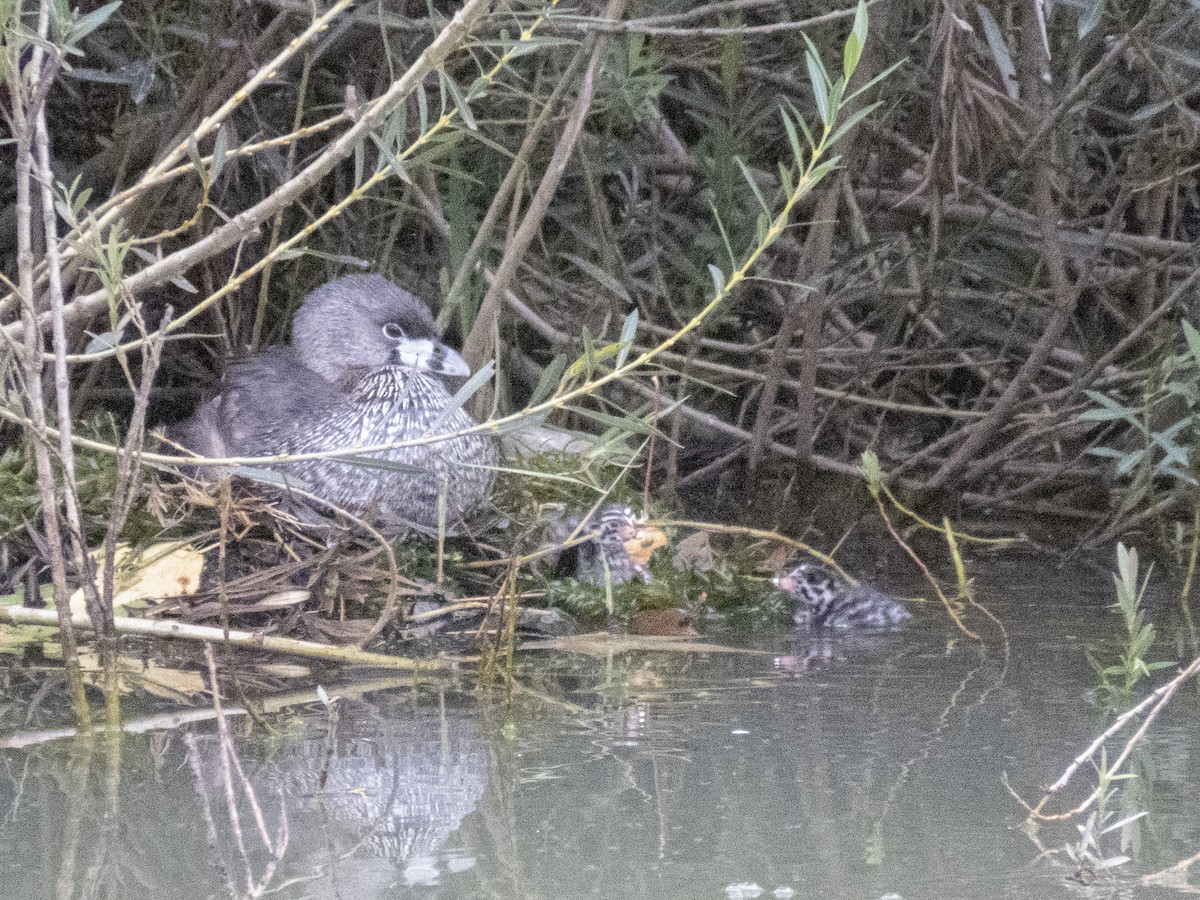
x=785, y=179
x=851, y=54
x=220, y=148
x=753, y=187
x=422, y=111
x=398, y=169
x=628, y=336
x=1115, y=410
x=1105, y=452
x=524, y=48
x=628, y=424
x=64, y=211
x=834, y=102
x=855, y=41
x=586, y=364
x=1192, y=336
x=464, y=108
x=724, y=237
x=525, y=421
x=478, y=89
x=599, y=275
x=398, y=123
x=1000, y=55
x=803, y=125
x=193, y=152
x=859, y=29
x=816, y=78
x=878, y=78
x=593, y=356
x=100, y=343
x=550, y=379
x=81, y=198
x=790, y=127
x=86, y=24
x=718, y=278
x=464, y=393
x=851, y=120
x=387, y=157
x=1089, y=17
x=183, y=284
x=822, y=170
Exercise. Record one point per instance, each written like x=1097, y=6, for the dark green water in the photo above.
x=837, y=768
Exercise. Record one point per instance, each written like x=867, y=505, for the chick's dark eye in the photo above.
x=392, y=331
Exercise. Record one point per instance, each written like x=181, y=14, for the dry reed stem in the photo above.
x=353, y=656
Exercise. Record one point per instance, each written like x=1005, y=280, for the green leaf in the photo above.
x=463, y=394
x=602, y=277
x=1192, y=336
x=464, y=108
x=100, y=343
x=550, y=378
x=627, y=423
x=834, y=102
x=819, y=81
x=718, y=278
x=422, y=111
x=850, y=121
x=220, y=148
x=851, y=54
x=822, y=170
x=785, y=180
x=762, y=226
x=586, y=363
x=477, y=90
x=878, y=78
x=1111, y=411
x=869, y=466
x=628, y=336
x=86, y=24
x=859, y=29
x=794, y=139
x=193, y=152
x=753, y=187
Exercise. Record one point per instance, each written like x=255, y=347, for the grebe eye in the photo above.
x=393, y=332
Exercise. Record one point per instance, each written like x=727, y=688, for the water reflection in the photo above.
x=399, y=777
x=401, y=774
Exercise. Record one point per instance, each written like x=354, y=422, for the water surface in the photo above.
x=837, y=767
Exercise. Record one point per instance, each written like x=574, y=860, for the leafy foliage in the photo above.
x=1119, y=678
x=96, y=471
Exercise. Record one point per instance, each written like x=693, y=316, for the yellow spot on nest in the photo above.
x=644, y=542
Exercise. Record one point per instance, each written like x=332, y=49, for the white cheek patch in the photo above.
x=430, y=356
